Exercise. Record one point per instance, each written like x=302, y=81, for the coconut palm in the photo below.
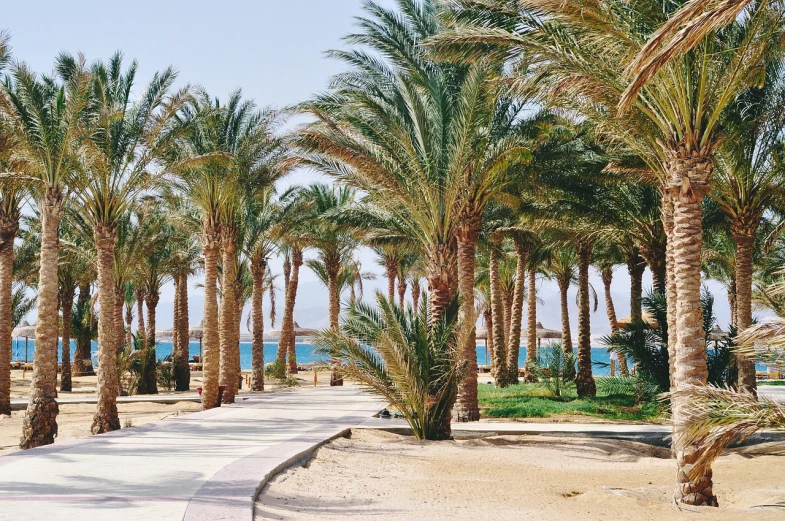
x=46, y=120
x=580, y=55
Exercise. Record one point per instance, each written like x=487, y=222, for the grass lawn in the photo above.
x=535, y=401
x=772, y=382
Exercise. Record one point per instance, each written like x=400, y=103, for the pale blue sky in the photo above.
x=271, y=49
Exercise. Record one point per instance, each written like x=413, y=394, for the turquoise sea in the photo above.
x=305, y=353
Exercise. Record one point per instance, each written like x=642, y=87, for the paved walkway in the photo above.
x=19, y=404
x=203, y=466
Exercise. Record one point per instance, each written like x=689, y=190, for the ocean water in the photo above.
x=306, y=354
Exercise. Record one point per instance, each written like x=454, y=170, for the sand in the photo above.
x=378, y=475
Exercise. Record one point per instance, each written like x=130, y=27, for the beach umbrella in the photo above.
x=164, y=333
x=25, y=331
x=716, y=334
x=298, y=331
x=543, y=332
x=646, y=316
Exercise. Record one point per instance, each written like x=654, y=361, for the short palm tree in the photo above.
x=404, y=356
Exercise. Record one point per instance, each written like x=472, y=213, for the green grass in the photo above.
x=772, y=382
x=534, y=401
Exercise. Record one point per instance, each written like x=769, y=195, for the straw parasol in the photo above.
x=645, y=316
x=542, y=332
x=25, y=331
x=298, y=331
x=716, y=334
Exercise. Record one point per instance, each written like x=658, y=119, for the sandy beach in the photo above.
x=387, y=476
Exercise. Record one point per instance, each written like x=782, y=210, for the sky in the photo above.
x=274, y=51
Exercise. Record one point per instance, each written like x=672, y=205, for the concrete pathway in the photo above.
x=203, y=466
x=18, y=404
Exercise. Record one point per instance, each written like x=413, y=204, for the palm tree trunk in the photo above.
x=129, y=319
x=689, y=185
x=610, y=309
x=151, y=383
x=152, y=308
x=297, y=262
x=336, y=378
x=468, y=407
x=584, y=380
x=516, y=316
x=182, y=372
x=497, y=318
x=401, y=292
x=734, y=316
x=488, y=319
x=83, y=347
x=210, y=335
x=636, y=267
x=391, y=269
x=507, y=298
x=238, y=319
x=228, y=371
x=258, y=268
x=287, y=322
x=441, y=259
x=68, y=308
x=745, y=243
x=8, y=229
x=106, y=418
x=531, y=327
x=566, y=332
x=658, y=271
x=141, y=330
x=670, y=282
x=416, y=294
x=40, y=422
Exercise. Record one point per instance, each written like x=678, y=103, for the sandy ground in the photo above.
x=378, y=475
x=74, y=420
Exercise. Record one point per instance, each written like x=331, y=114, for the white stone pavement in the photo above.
x=203, y=466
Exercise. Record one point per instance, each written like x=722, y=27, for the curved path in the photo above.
x=204, y=466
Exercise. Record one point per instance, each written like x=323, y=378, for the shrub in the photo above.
x=401, y=356
x=556, y=369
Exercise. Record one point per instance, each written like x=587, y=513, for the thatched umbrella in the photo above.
x=482, y=334
x=194, y=332
x=298, y=331
x=543, y=332
x=645, y=316
x=716, y=334
x=25, y=331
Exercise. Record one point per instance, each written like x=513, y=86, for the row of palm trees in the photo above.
x=613, y=125
x=476, y=145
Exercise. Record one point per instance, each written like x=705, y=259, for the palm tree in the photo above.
x=206, y=178
x=748, y=182
x=606, y=259
x=580, y=55
x=12, y=196
x=46, y=121
x=561, y=265
x=128, y=138
x=333, y=243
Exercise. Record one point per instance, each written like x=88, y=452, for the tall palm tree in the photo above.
x=580, y=55
x=46, y=119
x=561, y=265
x=129, y=138
x=334, y=244
x=748, y=182
x=206, y=177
